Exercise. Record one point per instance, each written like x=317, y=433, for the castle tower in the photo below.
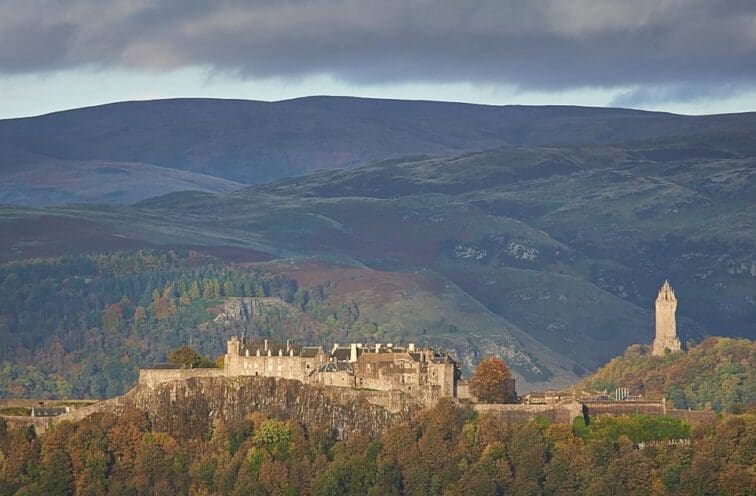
x=666, y=328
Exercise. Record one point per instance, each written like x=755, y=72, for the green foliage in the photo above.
x=637, y=427
x=271, y=433
x=82, y=326
x=718, y=372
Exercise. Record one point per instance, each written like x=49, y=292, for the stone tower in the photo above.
x=666, y=328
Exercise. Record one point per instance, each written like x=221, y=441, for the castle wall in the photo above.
x=564, y=413
x=442, y=375
x=337, y=379
x=463, y=390
x=286, y=366
x=154, y=377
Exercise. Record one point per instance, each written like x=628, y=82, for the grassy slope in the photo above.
x=53, y=182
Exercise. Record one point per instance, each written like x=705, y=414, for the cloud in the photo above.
x=649, y=96
x=542, y=45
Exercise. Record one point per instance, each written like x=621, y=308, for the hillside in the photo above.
x=718, y=373
x=548, y=256
x=256, y=142
x=42, y=181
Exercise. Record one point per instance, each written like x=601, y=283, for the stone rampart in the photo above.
x=154, y=377
x=41, y=424
x=26, y=403
x=564, y=413
x=626, y=408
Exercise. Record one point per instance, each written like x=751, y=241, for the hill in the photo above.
x=36, y=180
x=255, y=142
x=718, y=373
x=548, y=256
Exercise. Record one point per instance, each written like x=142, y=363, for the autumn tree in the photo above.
x=492, y=382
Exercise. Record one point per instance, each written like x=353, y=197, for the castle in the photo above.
x=424, y=373
x=666, y=328
x=383, y=367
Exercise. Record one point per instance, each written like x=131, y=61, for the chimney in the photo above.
x=335, y=347
x=266, y=344
x=353, y=354
x=411, y=347
x=377, y=347
x=288, y=345
x=291, y=352
x=280, y=351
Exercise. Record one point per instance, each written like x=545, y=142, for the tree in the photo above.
x=492, y=382
x=185, y=356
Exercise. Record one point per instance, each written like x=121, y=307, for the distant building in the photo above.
x=666, y=327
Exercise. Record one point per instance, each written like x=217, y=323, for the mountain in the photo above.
x=256, y=142
x=549, y=256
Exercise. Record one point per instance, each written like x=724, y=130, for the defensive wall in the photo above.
x=25, y=403
x=152, y=377
x=564, y=413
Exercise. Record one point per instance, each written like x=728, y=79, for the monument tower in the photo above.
x=666, y=328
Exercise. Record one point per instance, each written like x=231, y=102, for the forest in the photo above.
x=82, y=326
x=718, y=373
x=447, y=450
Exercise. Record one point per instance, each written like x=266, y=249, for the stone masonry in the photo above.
x=666, y=328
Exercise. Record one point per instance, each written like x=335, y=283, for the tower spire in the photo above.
x=666, y=326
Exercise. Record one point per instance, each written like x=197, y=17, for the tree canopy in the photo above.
x=492, y=382
x=719, y=373
x=447, y=450
x=185, y=356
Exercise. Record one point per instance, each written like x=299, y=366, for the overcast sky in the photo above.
x=688, y=56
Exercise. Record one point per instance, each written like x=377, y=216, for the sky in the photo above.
x=684, y=56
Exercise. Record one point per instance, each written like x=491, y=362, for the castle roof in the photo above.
x=344, y=353
x=310, y=351
x=274, y=347
x=337, y=366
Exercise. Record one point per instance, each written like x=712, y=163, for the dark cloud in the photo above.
x=664, y=45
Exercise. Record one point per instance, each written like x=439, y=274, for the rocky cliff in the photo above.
x=190, y=407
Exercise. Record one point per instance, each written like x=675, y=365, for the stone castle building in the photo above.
x=666, y=327
x=422, y=372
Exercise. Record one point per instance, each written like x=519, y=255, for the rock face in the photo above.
x=190, y=407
